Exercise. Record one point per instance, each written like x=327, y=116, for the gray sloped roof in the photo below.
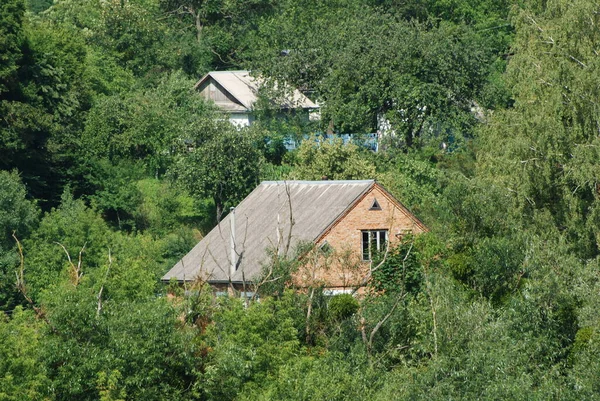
x=262, y=222
x=244, y=88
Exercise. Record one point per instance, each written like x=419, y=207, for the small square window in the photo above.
x=326, y=248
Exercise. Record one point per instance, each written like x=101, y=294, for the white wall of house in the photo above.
x=240, y=120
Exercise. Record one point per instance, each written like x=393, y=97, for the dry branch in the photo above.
x=23, y=288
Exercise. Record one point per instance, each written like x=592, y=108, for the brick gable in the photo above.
x=345, y=267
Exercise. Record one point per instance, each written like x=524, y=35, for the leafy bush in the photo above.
x=342, y=306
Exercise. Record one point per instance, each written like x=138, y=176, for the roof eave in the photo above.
x=201, y=81
x=247, y=105
x=180, y=281
x=401, y=206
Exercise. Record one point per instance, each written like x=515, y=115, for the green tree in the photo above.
x=332, y=376
x=13, y=44
x=18, y=216
x=424, y=79
x=321, y=157
x=84, y=236
x=249, y=344
x=224, y=165
x=43, y=97
x=131, y=348
x=224, y=27
x=22, y=372
x=116, y=195
x=146, y=126
x=543, y=151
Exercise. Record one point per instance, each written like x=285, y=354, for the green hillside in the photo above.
x=112, y=167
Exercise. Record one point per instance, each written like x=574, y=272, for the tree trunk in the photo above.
x=219, y=209
x=199, y=26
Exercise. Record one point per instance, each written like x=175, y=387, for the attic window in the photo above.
x=375, y=205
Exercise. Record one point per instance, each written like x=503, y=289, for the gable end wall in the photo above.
x=346, y=234
x=224, y=100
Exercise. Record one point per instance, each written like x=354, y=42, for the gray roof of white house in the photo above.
x=262, y=222
x=244, y=88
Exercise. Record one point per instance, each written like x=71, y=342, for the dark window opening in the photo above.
x=375, y=205
x=373, y=242
x=326, y=248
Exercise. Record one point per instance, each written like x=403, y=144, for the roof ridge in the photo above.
x=227, y=71
x=317, y=182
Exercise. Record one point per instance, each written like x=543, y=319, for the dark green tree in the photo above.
x=18, y=217
x=224, y=165
x=416, y=79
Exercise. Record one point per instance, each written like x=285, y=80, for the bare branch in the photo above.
x=66, y=252
x=289, y=238
x=23, y=289
x=99, y=308
x=385, y=318
x=366, y=279
x=577, y=61
x=76, y=271
x=433, y=309
x=308, y=314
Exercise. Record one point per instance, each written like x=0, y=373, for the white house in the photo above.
x=236, y=92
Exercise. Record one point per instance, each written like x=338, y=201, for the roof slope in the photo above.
x=244, y=88
x=262, y=221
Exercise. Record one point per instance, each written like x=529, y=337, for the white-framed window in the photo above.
x=330, y=292
x=247, y=294
x=373, y=241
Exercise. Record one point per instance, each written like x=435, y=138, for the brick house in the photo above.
x=344, y=223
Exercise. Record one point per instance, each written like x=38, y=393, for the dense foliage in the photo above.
x=112, y=167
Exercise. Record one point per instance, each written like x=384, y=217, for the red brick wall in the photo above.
x=344, y=268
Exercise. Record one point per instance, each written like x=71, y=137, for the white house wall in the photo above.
x=241, y=120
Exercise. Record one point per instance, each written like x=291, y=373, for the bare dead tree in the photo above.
x=184, y=280
x=99, y=297
x=369, y=342
x=238, y=263
x=432, y=306
x=276, y=259
x=369, y=274
x=76, y=270
x=289, y=201
x=312, y=293
x=197, y=16
x=309, y=313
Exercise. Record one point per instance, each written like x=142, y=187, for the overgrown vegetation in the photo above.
x=112, y=168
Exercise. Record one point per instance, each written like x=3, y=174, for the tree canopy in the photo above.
x=112, y=167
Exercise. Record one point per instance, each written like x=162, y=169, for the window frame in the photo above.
x=373, y=241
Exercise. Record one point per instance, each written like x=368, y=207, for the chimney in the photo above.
x=232, y=267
